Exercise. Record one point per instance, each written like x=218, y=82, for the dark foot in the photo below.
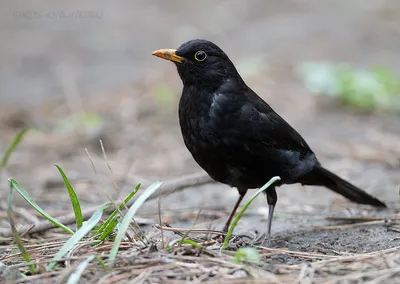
x=266, y=242
x=263, y=240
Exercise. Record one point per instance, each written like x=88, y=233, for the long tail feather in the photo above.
x=322, y=177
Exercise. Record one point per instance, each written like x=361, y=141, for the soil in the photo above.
x=52, y=68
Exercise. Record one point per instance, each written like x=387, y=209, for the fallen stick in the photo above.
x=362, y=219
x=347, y=226
x=168, y=187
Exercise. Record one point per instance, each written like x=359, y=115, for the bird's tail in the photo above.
x=322, y=177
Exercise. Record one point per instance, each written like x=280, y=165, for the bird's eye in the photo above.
x=200, y=56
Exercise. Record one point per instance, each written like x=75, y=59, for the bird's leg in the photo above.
x=242, y=193
x=272, y=198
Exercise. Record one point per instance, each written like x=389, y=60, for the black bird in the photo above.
x=236, y=137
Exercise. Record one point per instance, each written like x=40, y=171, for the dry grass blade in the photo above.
x=111, y=172
x=185, y=230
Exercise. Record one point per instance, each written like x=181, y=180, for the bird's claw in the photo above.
x=263, y=240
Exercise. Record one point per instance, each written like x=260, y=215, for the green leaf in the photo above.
x=17, y=139
x=129, y=216
x=15, y=185
x=76, y=275
x=247, y=254
x=241, y=212
x=81, y=233
x=74, y=199
x=17, y=237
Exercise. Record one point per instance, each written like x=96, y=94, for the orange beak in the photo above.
x=168, y=54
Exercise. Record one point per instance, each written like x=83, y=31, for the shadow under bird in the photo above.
x=236, y=137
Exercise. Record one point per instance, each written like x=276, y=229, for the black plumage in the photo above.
x=236, y=137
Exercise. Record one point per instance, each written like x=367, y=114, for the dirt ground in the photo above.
x=52, y=68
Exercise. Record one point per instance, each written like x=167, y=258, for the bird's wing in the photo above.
x=246, y=134
x=265, y=125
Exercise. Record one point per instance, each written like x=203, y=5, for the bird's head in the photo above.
x=200, y=62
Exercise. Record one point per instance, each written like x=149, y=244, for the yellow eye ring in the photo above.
x=200, y=55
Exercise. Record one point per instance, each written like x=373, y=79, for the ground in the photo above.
x=55, y=68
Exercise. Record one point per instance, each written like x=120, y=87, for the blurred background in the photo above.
x=81, y=71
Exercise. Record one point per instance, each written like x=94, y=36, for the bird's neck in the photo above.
x=196, y=83
x=215, y=84
x=210, y=80
x=198, y=99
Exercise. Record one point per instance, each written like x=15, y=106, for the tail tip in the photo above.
x=379, y=204
x=382, y=205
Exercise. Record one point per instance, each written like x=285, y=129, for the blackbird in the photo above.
x=236, y=137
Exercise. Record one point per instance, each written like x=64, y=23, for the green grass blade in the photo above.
x=81, y=233
x=102, y=263
x=120, y=207
x=12, y=147
x=181, y=241
x=110, y=227
x=129, y=216
x=76, y=275
x=15, y=185
x=241, y=212
x=74, y=199
x=16, y=236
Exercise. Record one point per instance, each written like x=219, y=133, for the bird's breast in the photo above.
x=194, y=119
x=204, y=118
x=207, y=123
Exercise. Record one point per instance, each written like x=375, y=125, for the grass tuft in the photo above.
x=124, y=224
x=111, y=218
